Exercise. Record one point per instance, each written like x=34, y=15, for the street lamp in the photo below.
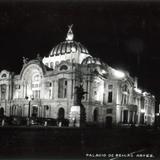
x=29, y=106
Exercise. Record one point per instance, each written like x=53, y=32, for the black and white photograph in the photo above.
x=79, y=80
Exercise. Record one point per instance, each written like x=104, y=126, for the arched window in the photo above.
x=95, y=115
x=63, y=67
x=4, y=75
x=61, y=113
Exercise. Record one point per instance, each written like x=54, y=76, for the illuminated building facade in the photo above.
x=46, y=88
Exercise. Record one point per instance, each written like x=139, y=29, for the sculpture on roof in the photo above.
x=25, y=60
x=70, y=35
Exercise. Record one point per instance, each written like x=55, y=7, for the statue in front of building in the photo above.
x=79, y=95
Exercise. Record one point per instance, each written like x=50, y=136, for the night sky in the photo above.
x=124, y=35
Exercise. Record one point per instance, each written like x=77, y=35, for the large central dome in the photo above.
x=68, y=46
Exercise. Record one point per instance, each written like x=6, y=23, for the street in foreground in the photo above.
x=87, y=143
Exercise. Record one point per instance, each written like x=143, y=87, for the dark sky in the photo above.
x=124, y=35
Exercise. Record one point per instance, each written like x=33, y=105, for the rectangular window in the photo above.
x=110, y=97
x=62, y=88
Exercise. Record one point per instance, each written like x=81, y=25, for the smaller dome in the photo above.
x=92, y=60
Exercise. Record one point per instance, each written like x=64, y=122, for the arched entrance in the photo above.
x=61, y=113
x=108, y=122
x=95, y=115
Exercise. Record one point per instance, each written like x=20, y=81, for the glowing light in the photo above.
x=142, y=111
x=103, y=72
x=144, y=93
x=73, y=49
x=118, y=74
x=75, y=109
x=138, y=90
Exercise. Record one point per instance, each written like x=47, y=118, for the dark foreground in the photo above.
x=74, y=143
